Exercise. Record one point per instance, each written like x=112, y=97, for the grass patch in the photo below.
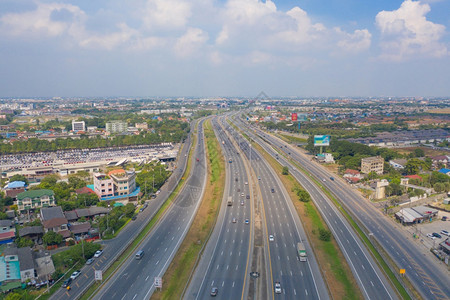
x=292, y=139
x=178, y=274
x=132, y=247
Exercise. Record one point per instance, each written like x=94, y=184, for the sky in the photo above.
x=214, y=48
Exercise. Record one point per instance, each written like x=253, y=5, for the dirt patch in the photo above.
x=428, y=151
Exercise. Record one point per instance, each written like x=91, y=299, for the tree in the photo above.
x=285, y=170
x=418, y=152
x=303, y=195
x=439, y=187
x=19, y=177
x=24, y=242
x=324, y=235
x=413, y=166
x=52, y=238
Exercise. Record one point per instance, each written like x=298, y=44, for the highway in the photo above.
x=114, y=247
x=369, y=277
x=225, y=260
x=135, y=278
x=430, y=281
x=299, y=280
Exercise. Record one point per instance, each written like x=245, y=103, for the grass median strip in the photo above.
x=132, y=247
x=334, y=267
x=177, y=275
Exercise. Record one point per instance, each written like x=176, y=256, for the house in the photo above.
x=14, y=188
x=81, y=229
x=7, y=231
x=445, y=171
x=87, y=213
x=34, y=233
x=53, y=219
x=352, y=176
x=440, y=161
x=398, y=164
x=35, y=199
x=19, y=263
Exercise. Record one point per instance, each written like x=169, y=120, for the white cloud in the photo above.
x=357, y=41
x=406, y=32
x=166, y=14
x=191, y=42
x=39, y=23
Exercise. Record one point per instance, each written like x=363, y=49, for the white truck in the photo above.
x=230, y=201
x=301, y=252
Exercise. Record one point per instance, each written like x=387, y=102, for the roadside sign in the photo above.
x=98, y=275
x=158, y=282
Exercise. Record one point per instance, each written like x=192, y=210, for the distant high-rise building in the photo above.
x=78, y=126
x=116, y=127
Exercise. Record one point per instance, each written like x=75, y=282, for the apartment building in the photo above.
x=115, y=183
x=78, y=126
x=372, y=164
x=35, y=199
x=116, y=127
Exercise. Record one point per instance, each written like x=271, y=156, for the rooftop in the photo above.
x=35, y=194
x=15, y=185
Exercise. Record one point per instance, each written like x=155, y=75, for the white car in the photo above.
x=277, y=288
x=246, y=183
x=75, y=275
x=445, y=232
x=271, y=239
x=431, y=236
x=98, y=253
x=242, y=195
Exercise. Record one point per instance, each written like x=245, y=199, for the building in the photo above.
x=372, y=164
x=124, y=181
x=398, y=164
x=7, y=231
x=445, y=171
x=440, y=161
x=116, y=127
x=78, y=126
x=14, y=188
x=143, y=126
x=53, y=219
x=35, y=199
x=103, y=185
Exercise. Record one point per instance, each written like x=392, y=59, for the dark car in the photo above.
x=272, y=190
x=214, y=291
x=134, y=218
x=332, y=178
x=247, y=197
x=444, y=218
x=437, y=235
x=66, y=282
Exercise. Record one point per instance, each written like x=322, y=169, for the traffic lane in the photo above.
x=371, y=282
x=371, y=285
x=192, y=181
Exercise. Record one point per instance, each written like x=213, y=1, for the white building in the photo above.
x=78, y=126
x=116, y=127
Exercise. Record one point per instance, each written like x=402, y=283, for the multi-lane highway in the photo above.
x=226, y=256
x=371, y=280
x=299, y=280
x=135, y=279
x=430, y=281
x=114, y=247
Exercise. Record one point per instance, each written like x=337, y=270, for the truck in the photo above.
x=230, y=160
x=301, y=252
x=230, y=201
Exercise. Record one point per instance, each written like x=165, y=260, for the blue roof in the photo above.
x=15, y=184
x=444, y=170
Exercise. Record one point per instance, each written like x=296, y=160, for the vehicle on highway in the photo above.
x=75, y=274
x=90, y=261
x=242, y=202
x=141, y=210
x=431, y=236
x=236, y=179
x=230, y=201
x=230, y=160
x=198, y=159
x=437, y=235
x=246, y=183
x=66, y=282
x=134, y=217
x=272, y=190
x=247, y=221
x=332, y=178
x=444, y=218
x=445, y=232
x=301, y=251
x=271, y=239
x=324, y=180
x=233, y=220
x=259, y=178
x=139, y=254
x=247, y=197
x=98, y=253
x=242, y=195
x=277, y=288
x=214, y=291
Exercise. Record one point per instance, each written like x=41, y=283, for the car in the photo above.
x=332, y=178
x=242, y=202
x=324, y=180
x=238, y=190
x=272, y=190
x=437, y=235
x=234, y=220
x=247, y=221
x=242, y=195
x=90, y=261
x=236, y=179
x=98, y=253
x=247, y=197
x=444, y=218
x=141, y=210
x=431, y=236
x=277, y=288
x=259, y=178
x=75, y=274
x=133, y=218
x=246, y=183
x=66, y=282
x=271, y=239
x=445, y=232
x=214, y=291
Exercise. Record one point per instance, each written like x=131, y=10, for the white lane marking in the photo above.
x=134, y=296
x=212, y=283
x=146, y=278
x=157, y=263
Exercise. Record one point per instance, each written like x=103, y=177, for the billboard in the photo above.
x=321, y=140
x=294, y=117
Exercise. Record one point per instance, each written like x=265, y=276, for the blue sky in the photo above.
x=224, y=48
